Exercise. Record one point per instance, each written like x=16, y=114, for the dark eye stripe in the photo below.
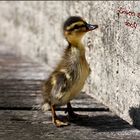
x=76, y=27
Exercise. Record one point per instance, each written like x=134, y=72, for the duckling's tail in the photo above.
x=45, y=107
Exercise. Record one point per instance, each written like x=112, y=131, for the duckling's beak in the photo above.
x=91, y=27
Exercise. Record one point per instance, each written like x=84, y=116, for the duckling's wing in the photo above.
x=61, y=84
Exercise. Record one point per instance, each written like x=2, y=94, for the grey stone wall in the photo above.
x=113, y=51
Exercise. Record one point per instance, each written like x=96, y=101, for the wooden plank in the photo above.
x=34, y=99
x=22, y=125
x=27, y=94
x=13, y=84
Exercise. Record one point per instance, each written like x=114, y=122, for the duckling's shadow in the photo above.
x=102, y=123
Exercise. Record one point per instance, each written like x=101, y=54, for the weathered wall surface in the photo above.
x=113, y=51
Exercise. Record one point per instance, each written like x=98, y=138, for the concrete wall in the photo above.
x=113, y=51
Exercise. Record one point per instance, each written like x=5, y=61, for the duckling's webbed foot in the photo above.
x=55, y=119
x=59, y=123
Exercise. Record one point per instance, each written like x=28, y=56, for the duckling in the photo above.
x=69, y=76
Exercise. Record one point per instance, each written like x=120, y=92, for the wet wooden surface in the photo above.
x=22, y=119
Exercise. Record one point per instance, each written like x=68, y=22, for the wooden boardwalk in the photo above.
x=21, y=118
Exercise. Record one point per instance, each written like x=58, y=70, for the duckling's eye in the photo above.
x=76, y=27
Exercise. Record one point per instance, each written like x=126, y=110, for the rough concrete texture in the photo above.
x=34, y=29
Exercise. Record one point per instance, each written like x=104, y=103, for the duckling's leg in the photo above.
x=71, y=113
x=70, y=110
x=55, y=119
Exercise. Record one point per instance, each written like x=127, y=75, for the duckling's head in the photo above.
x=74, y=29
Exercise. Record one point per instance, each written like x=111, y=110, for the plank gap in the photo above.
x=57, y=109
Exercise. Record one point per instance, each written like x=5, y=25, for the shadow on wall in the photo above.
x=135, y=116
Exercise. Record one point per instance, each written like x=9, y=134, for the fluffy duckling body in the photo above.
x=67, y=80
